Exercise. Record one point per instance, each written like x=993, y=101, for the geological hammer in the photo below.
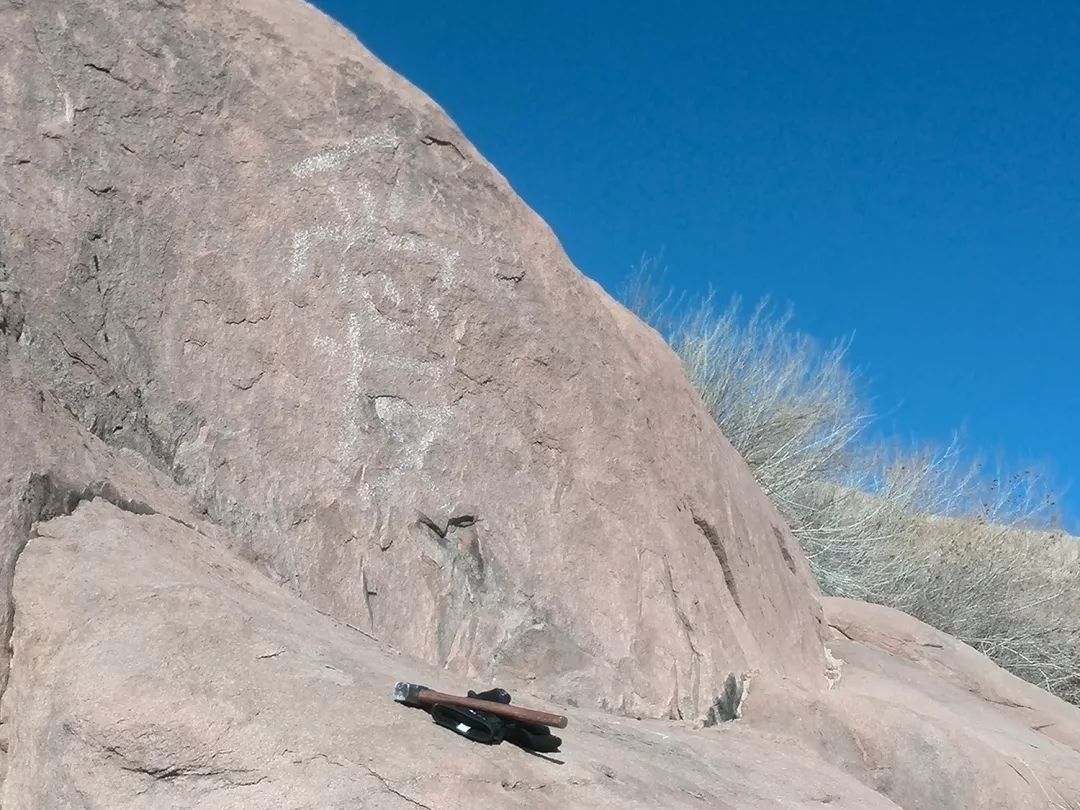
x=412, y=694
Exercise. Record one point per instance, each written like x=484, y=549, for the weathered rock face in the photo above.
x=155, y=669
x=270, y=704
x=245, y=249
x=929, y=721
x=263, y=310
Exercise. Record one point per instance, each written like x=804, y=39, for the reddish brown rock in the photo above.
x=257, y=257
x=198, y=683
x=927, y=720
x=263, y=310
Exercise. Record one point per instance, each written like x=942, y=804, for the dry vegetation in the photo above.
x=912, y=528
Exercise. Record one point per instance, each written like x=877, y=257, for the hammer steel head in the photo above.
x=406, y=692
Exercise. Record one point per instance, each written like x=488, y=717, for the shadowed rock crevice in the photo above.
x=431, y=140
x=443, y=528
x=728, y=706
x=51, y=496
x=782, y=544
x=709, y=532
x=48, y=496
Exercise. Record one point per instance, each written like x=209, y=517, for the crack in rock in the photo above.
x=431, y=140
x=717, y=545
x=729, y=705
x=455, y=522
x=45, y=497
x=394, y=790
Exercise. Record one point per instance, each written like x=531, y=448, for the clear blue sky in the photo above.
x=909, y=172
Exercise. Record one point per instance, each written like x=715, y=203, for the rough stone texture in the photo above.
x=124, y=619
x=48, y=464
x=179, y=629
x=263, y=310
x=248, y=251
x=929, y=721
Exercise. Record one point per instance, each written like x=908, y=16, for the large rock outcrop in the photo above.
x=184, y=631
x=247, y=250
x=299, y=399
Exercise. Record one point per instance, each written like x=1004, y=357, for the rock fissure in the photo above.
x=709, y=532
x=45, y=497
x=234, y=321
x=431, y=140
x=75, y=357
x=390, y=788
x=167, y=772
x=842, y=632
x=781, y=542
x=683, y=618
x=132, y=763
x=249, y=383
x=695, y=654
x=107, y=71
x=442, y=530
x=728, y=706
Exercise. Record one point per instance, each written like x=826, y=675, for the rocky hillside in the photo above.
x=299, y=400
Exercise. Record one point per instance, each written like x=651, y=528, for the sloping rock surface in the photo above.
x=929, y=721
x=128, y=619
x=239, y=245
x=299, y=400
x=153, y=668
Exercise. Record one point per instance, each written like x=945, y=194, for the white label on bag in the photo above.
x=464, y=729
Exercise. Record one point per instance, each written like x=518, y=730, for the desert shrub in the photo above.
x=915, y=528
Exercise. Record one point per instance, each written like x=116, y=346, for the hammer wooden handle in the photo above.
x=429, y=697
